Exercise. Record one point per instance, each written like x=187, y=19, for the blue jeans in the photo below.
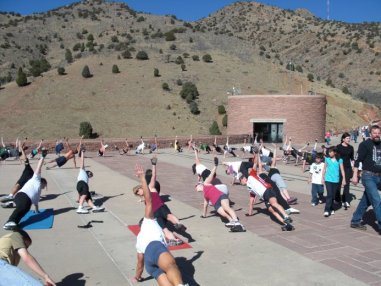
x=317, y=191
x=12, y=275
x=371, y=196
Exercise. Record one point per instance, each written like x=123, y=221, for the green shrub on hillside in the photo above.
x=156, y=72
x=183, y=67
x=68, y=56
x=170, y=36
x=225, y=120
x=310, y=77
x=189, y=89
x=346, y=90
x=207, y=58
x=86, y=72
x=165, y=86
x=126, y=54
x=39, y=66
x=221, y=109
x=194, y=108
x=21, y=78
x=214, y=129
x=61, y=71
x=85, y=130
x=179, y=60
x=142, y=55
x=195, y=58
x=115, y=69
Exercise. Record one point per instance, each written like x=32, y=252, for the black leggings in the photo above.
x=23, y=204
x=345, y=197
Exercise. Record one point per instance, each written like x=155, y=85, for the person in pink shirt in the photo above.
x=219, y=200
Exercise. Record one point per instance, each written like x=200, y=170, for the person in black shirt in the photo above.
x=346, y=153
x=369, y=154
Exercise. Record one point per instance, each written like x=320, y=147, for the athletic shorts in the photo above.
x=151, y=258
x=217, y=205
x=161, y=215
x=61, y=161
x=267, y=195
x=277, y=178
x=100, y=153
x=205, y=174
x=83, y=189
x=26, y=175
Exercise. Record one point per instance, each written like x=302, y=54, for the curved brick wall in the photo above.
x=303, y=116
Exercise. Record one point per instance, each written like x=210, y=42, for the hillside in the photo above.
x=133, y=102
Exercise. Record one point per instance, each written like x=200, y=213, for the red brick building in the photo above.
x=299, y=116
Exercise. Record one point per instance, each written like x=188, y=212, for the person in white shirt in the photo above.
x=83, y=189
x=316, y=175
x=151, y=247
x=28, y=195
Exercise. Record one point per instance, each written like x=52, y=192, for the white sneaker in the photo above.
x=97, y=209
x=332, y=212
x=81, y=210
x=10, y=225
x=231, y=223
x=293, y=211
x=326, y=214
x=7, y=199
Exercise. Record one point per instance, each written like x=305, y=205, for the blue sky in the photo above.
x=353, y=11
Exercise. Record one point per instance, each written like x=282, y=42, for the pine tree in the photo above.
x=21, y=79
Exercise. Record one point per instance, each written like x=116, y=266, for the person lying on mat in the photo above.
x=28, y=195
x=13, y=248
x=151, y=247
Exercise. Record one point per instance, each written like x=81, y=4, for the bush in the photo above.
x=194, y=108
x=214, y=129
x=115, y=69
x=61, y=71
x=179, y=60
x=207, y=58
x=189, y=88
x=299, y=68
x=170, y=36
x=86, y=72
x=39, y=66
x=195, y=58
x=165, y=86
x=156, y=72
x=21, y=79
x=90, y=38
x=328, y=82
x=114, y=39
x=310, y=77
x=173, y=47
x=126, y=54
x=221, y=109
x=179, y=82
x=183, y=67
x=85, y=129
x=225, y=120
x=68, y=56
x=142, y=55
x=345, y=90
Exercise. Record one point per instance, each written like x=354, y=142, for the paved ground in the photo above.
x=321, y=251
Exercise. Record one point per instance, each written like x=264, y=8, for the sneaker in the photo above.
x=10, y=225
x=347, y=205
x=7, y=199
x=358, y=226
x=8, y=205
x=97, y=209
x=326, y=214
x=332, y=212
x=313, y=204
x=82, y=210
x=287, y=227
x=287, y=220
x=292, y=211
x=231, y=223
x=180, y=227
x=174, y=242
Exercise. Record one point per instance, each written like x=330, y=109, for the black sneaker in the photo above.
x=288, y=227
x=288, y=220
x=358, y=226
x=180, y=227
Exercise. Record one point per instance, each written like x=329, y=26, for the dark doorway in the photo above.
x=269, y=132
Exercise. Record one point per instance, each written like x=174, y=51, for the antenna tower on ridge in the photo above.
x=328, y=10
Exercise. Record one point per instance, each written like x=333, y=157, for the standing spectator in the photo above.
x=369, y=154
x=316, y=176
x=346, y=152
x=327, y=137
x=331, y=176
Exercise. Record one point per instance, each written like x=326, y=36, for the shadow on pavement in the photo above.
x=187, y=269
x=74, y=279
x=63, y=210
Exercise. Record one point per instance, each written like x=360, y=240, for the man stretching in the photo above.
x=61, y=160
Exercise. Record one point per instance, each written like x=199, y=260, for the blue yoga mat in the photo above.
x=42, y=220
